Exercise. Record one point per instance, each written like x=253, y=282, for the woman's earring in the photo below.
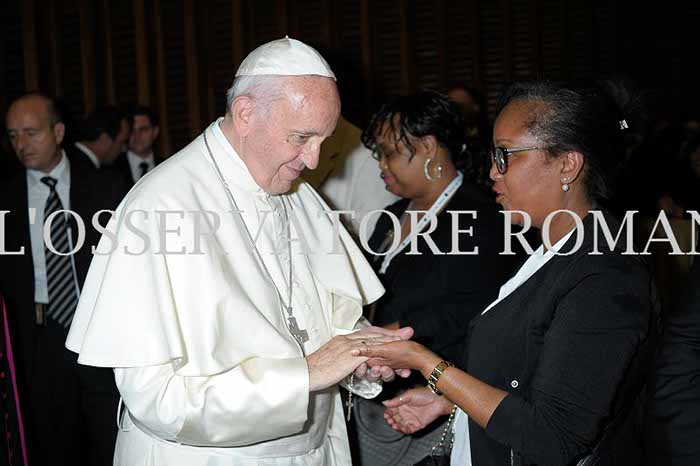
x=426, y=170
x=565, y=186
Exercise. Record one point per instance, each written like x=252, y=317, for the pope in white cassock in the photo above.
x=230, y=303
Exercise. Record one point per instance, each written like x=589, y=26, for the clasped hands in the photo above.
x=373, y=353
x=344, y=355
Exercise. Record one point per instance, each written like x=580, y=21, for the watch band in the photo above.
x=435, y=376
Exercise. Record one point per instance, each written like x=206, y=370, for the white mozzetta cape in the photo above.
x=216, y=317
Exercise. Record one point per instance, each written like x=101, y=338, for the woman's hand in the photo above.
x=415, y=409
x=400, y=354
x=385, y=373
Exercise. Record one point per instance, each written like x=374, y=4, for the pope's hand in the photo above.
x=415, y=409
x=385, y=373
x=332, y=362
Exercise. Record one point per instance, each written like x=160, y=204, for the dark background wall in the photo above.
x=179, y=56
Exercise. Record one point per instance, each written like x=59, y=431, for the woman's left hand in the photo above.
x=415, y=409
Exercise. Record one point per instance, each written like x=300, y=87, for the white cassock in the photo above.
x=348, y=177
x=208, y=372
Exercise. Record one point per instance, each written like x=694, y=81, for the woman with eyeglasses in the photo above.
x=435, y=283
x=555, y=365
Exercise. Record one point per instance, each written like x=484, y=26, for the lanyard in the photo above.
x=437, y=206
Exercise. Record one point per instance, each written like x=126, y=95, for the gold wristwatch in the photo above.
x=435, y=376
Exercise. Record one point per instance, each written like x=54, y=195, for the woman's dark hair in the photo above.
x=590, y=118
x=426, y=113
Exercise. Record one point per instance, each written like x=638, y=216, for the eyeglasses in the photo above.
x=499, y=155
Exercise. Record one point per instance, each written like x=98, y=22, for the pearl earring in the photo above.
x=565, y=186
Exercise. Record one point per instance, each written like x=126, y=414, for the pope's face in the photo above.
x=286, y=138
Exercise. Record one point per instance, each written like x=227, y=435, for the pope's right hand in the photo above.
x=414, y=409
x=334, y=361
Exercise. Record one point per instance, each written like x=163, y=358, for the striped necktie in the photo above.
x=63, y=291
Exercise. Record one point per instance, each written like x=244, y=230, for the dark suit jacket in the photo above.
x=119, y=181
x=90, y=191
x=673, y=411
x=572, y=347
x=121, y=165
x=438, y=295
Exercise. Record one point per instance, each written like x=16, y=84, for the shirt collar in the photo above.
x=136, y=159
x=90, y=154
x=246, y=181
x=60, y=172
x=541, y=257
x=534, y=262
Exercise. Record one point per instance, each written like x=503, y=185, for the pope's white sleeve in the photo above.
x=259, y=400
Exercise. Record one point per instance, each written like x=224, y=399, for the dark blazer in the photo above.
x=121, y=166
x=68, y=408
x=76, y=155
x=572, y=347
x=673, y=411
x=118, y=180
x=438, y=295
x=90, y=191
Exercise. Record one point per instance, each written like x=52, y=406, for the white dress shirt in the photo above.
x=461, y=452
x=38, y=194
x=135, y=162
x=90, y=154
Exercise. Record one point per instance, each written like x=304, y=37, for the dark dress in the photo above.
x=572, y=346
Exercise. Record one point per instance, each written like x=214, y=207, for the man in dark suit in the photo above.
x=69, y=409
x=139, y=159
x=103, y=135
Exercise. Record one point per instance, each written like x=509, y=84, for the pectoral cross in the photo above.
x=299, y=334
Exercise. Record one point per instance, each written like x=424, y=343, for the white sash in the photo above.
x=437, y=206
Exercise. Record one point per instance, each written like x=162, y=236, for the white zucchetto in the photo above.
x=285, y=57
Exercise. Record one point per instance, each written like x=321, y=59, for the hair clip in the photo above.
x=623, y=124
